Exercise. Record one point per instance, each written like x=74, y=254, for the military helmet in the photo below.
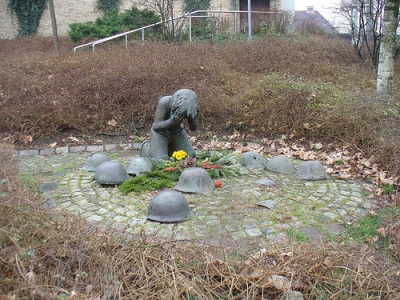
x=252, y=160
x=111, y=172
x=195, y=180
x=280, y=164
x=168, y=206
x=311, y=170
x=139, y=164
x=94, y=161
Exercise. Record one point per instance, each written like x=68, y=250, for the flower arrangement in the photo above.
x=179, y=155
x=166, y=172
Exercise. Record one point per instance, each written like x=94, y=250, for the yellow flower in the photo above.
x=179, y=155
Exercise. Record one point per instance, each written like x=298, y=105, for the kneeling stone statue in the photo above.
x=167, y=133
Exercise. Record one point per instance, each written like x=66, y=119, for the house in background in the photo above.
x=73, y=11
x=311, y=21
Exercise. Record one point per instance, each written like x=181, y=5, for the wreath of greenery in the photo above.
x=107, y=6
x=166, y=173
x=29, y=13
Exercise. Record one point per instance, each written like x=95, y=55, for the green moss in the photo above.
x=30, y=181
x=296, y=235
x=388, y=188
x=365, y=230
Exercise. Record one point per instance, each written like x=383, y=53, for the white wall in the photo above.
x=288, y=5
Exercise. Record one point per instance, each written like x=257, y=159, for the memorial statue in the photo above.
x=167, y=134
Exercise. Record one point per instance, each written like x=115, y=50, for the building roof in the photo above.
x=312, y=17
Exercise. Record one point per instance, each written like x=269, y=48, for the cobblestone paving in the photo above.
x=316, y=209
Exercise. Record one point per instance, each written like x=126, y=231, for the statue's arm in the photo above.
x=162, y=120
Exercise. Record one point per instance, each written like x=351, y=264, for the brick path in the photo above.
x=316, y=209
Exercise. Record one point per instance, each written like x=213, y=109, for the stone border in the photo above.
x=78, y=149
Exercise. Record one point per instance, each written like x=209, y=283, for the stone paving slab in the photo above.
x=317, y=208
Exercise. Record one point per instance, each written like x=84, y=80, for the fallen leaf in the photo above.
x=207, y=165
x=89, y=288
x=112, y=123
x=280, y=282
x=288, y=254
x=26, y=139
x=253, y=273
x=379, y=192
x=170, y=169
x=382, y=231
x=328, y=261
x=375, y=238
x=396, y=199
x=52, y=145
x=345, y=175
x=245, y=149
x=73, y=294
x=8, y=297
x=319, y=146
x=73, y=139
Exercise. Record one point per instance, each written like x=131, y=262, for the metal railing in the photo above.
x=188, y=16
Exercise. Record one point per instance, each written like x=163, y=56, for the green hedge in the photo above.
x=112, y=23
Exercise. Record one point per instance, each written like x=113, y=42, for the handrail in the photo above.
x=186, y=15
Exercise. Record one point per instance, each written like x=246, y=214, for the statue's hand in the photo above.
x=177, y=117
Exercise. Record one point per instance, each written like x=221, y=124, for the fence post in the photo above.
x=190, y=27
x=249, y=17
x=235, y=21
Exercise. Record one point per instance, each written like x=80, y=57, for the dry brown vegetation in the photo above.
x=309, y=88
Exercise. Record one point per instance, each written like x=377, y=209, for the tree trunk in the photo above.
x=54, y=27
x=387, y=51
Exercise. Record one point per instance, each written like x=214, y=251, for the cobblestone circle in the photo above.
x=316, y=209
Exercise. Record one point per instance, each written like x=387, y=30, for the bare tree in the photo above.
x=387, y=53
x=365, y=19
x=166, y=10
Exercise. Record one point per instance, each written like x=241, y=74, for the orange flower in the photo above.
x=218, y=183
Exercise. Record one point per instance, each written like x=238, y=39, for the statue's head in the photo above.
x=185, y=102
